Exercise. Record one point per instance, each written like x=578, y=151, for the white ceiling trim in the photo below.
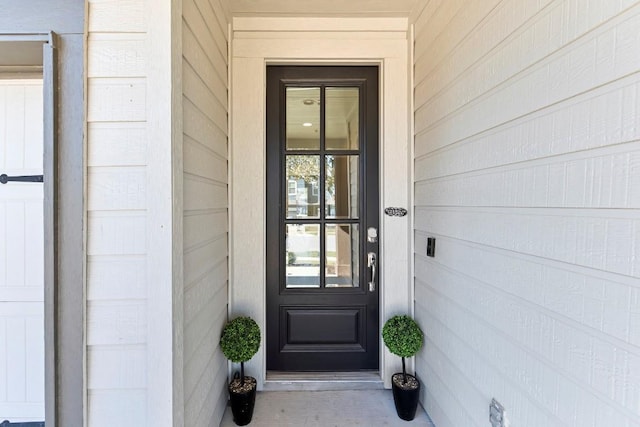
x=319, y=24
x=327, y=8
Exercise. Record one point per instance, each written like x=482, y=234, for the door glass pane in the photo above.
x=341, y=190
x=303, y=118
x=343, y=247
x=342, y=118
x=303, y=255
x=302, y=183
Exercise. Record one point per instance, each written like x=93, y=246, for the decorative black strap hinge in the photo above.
x=25, y=178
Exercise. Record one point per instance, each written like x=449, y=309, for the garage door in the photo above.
x=21, y=253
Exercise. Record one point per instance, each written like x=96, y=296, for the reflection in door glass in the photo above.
x=341, y=188
x=303, y=255
x=342, y=255
x=342, y=118
x=303, y=118
x=303, y=194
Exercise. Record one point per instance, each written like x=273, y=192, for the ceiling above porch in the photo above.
x=349, y=8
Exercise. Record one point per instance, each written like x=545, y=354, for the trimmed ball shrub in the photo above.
x=240, y=340
x=403, y=337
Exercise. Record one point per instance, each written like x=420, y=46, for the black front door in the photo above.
x=322, y=218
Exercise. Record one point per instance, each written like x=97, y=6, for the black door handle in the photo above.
x=4, y=178
x=372, y=263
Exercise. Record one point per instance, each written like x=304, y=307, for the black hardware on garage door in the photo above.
x=322, y=218
x=4, y=178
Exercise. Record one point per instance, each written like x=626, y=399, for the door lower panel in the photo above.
x=321, y=329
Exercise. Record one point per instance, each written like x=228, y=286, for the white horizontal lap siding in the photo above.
x=205, y=208
x=527, y=169
x=117, y=61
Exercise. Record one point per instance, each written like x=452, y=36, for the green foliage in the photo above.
x=307, y=168
x=402, y=336
x=240, y=339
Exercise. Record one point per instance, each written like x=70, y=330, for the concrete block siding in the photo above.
x=527, y=169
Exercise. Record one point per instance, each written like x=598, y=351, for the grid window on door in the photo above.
x=322, y=177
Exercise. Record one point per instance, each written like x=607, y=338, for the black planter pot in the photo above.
x=243, y=402
x=406, y=398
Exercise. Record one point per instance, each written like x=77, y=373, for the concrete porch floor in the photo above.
x=327, y=409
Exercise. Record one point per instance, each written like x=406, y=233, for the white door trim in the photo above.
x=42, y=64
x=345, y=42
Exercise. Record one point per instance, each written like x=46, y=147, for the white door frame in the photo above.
x=312, y=41
x=44, y=66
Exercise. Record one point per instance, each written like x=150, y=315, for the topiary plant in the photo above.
x=403, y=337
x=240, y=340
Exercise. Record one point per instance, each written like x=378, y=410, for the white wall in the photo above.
x=205, y=208
x=117, y=217
x=157, y=212
x=527, y=164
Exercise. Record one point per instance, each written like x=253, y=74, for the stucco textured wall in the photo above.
x=527, y=171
